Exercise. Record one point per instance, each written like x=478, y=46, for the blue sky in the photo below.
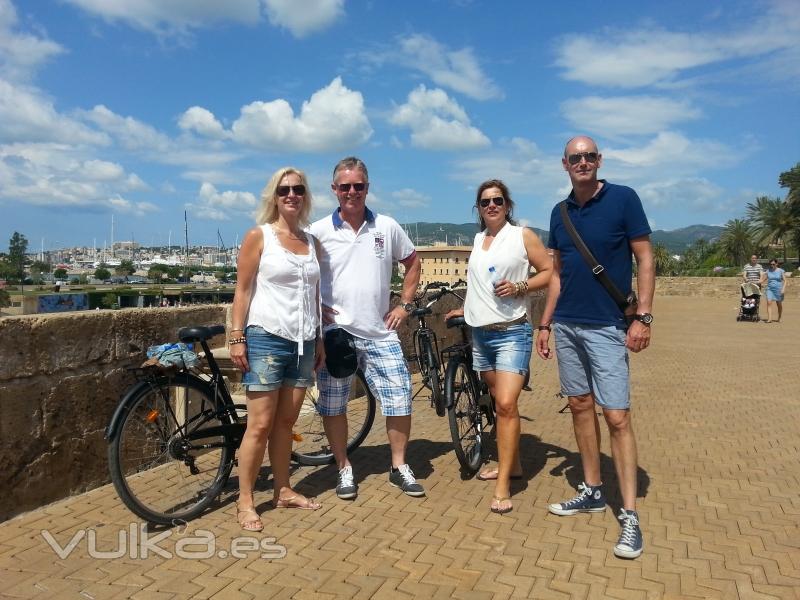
x=143, y=109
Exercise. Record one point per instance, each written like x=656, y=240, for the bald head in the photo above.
x=580, y=140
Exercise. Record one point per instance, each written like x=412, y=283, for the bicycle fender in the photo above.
x=449, y=379
x=119, y=412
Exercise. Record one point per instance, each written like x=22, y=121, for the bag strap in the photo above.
x=597, y=269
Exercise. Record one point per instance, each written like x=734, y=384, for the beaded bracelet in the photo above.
x=239, y=340
x=522, y=288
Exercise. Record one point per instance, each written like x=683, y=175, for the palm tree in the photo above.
x=772, y=220
x=736, y=241
x=663, y=260
x=791, y=179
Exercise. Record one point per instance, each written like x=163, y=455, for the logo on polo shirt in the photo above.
x=380, y=244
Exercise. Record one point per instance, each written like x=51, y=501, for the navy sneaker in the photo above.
x=589, y=499
x=403, y=478
x=346, y=489
x=630, y=544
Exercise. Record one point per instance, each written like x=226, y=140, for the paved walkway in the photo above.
x=717, y=414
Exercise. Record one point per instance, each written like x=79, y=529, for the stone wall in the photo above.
x=61, y=376
x=713, y=287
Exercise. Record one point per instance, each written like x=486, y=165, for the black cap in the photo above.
x=340, y=353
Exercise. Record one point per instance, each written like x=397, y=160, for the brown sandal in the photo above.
x=297, y=501
x=251, y=524
x=497, y=505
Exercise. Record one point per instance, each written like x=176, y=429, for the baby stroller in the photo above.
x=751, y=298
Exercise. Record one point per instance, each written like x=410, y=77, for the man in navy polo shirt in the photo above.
x=591, y=335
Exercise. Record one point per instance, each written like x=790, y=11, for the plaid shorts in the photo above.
x=386, y=373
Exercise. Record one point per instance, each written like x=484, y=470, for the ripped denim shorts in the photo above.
x=274, y=363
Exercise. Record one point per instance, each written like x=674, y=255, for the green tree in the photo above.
x=736, y=242
x=772, y=220
x=102, y=273
x=17, y=247
x=60, y=273
x=791, y=179
x=5, y=299
x=38, y=268
x=663, y=260
x=157, y=272
x=126, y=267
x=109, y=300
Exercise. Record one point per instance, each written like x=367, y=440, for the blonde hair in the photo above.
x=268, y=211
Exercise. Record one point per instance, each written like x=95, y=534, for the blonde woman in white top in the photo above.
x=274, y=340
x=498, y=283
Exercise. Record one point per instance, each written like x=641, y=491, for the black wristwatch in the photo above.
x=408, y=306
x=645, y=318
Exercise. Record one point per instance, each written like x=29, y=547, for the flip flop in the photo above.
x=298, y=502
x=252, y=524
x=491, y=475
x=497, y=508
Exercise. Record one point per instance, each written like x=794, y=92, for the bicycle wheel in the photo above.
x=164, y=466
x=465, y=416
x=311, y=445
x=434, y=382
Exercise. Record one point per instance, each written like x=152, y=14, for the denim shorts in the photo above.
x=274, y=362
x=593, y=358
x=386, y=373
x=504, y=350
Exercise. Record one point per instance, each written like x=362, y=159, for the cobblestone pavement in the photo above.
x=716, y=412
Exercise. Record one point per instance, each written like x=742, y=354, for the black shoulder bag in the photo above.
x=627, y=304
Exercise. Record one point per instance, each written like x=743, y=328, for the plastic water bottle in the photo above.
x=494, y=279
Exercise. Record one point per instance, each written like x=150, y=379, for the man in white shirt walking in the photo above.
x=358, y=249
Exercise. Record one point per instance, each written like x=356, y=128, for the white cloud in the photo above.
x=457, y=70
x=695, y=194
x=120, y=204
x=180, y=17
x=58, y=175
x=26, y=116
x=639, y=115
x=302, y=17
x=655, y=56
x=174, y=16
x=411, y=198
x=332, y=119
x=202, y=121
x=136, y=136
x=221, y=206
x=674, y=151
x=21, y=53
x=437, y=122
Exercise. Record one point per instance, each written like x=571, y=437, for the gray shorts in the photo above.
x=593, y=358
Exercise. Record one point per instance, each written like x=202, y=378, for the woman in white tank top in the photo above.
x=275, y=338
x=498, y=283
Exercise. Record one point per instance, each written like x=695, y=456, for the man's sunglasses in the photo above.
x=299, y=190
x=498, y=201
x=574, y=159
x=345, y=187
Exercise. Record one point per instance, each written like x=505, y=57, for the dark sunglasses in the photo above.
x=498, y=201
x=345, y=187
x=574, y=159
x=299, y=190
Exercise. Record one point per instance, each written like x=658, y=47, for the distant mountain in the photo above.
x=676, y=241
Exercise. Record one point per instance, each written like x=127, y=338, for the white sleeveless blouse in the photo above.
x=285, y=301
x=509, y=258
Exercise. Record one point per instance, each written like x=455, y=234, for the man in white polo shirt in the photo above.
x=358, y=249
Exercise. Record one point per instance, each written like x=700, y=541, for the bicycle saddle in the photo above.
x=199, y=333
x=455, y=322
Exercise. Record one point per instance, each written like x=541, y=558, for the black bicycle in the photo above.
x=172, y=439
x=470, y=407
x=426, y=346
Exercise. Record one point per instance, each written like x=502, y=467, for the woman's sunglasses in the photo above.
x=299, y=190
x=498, y=201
